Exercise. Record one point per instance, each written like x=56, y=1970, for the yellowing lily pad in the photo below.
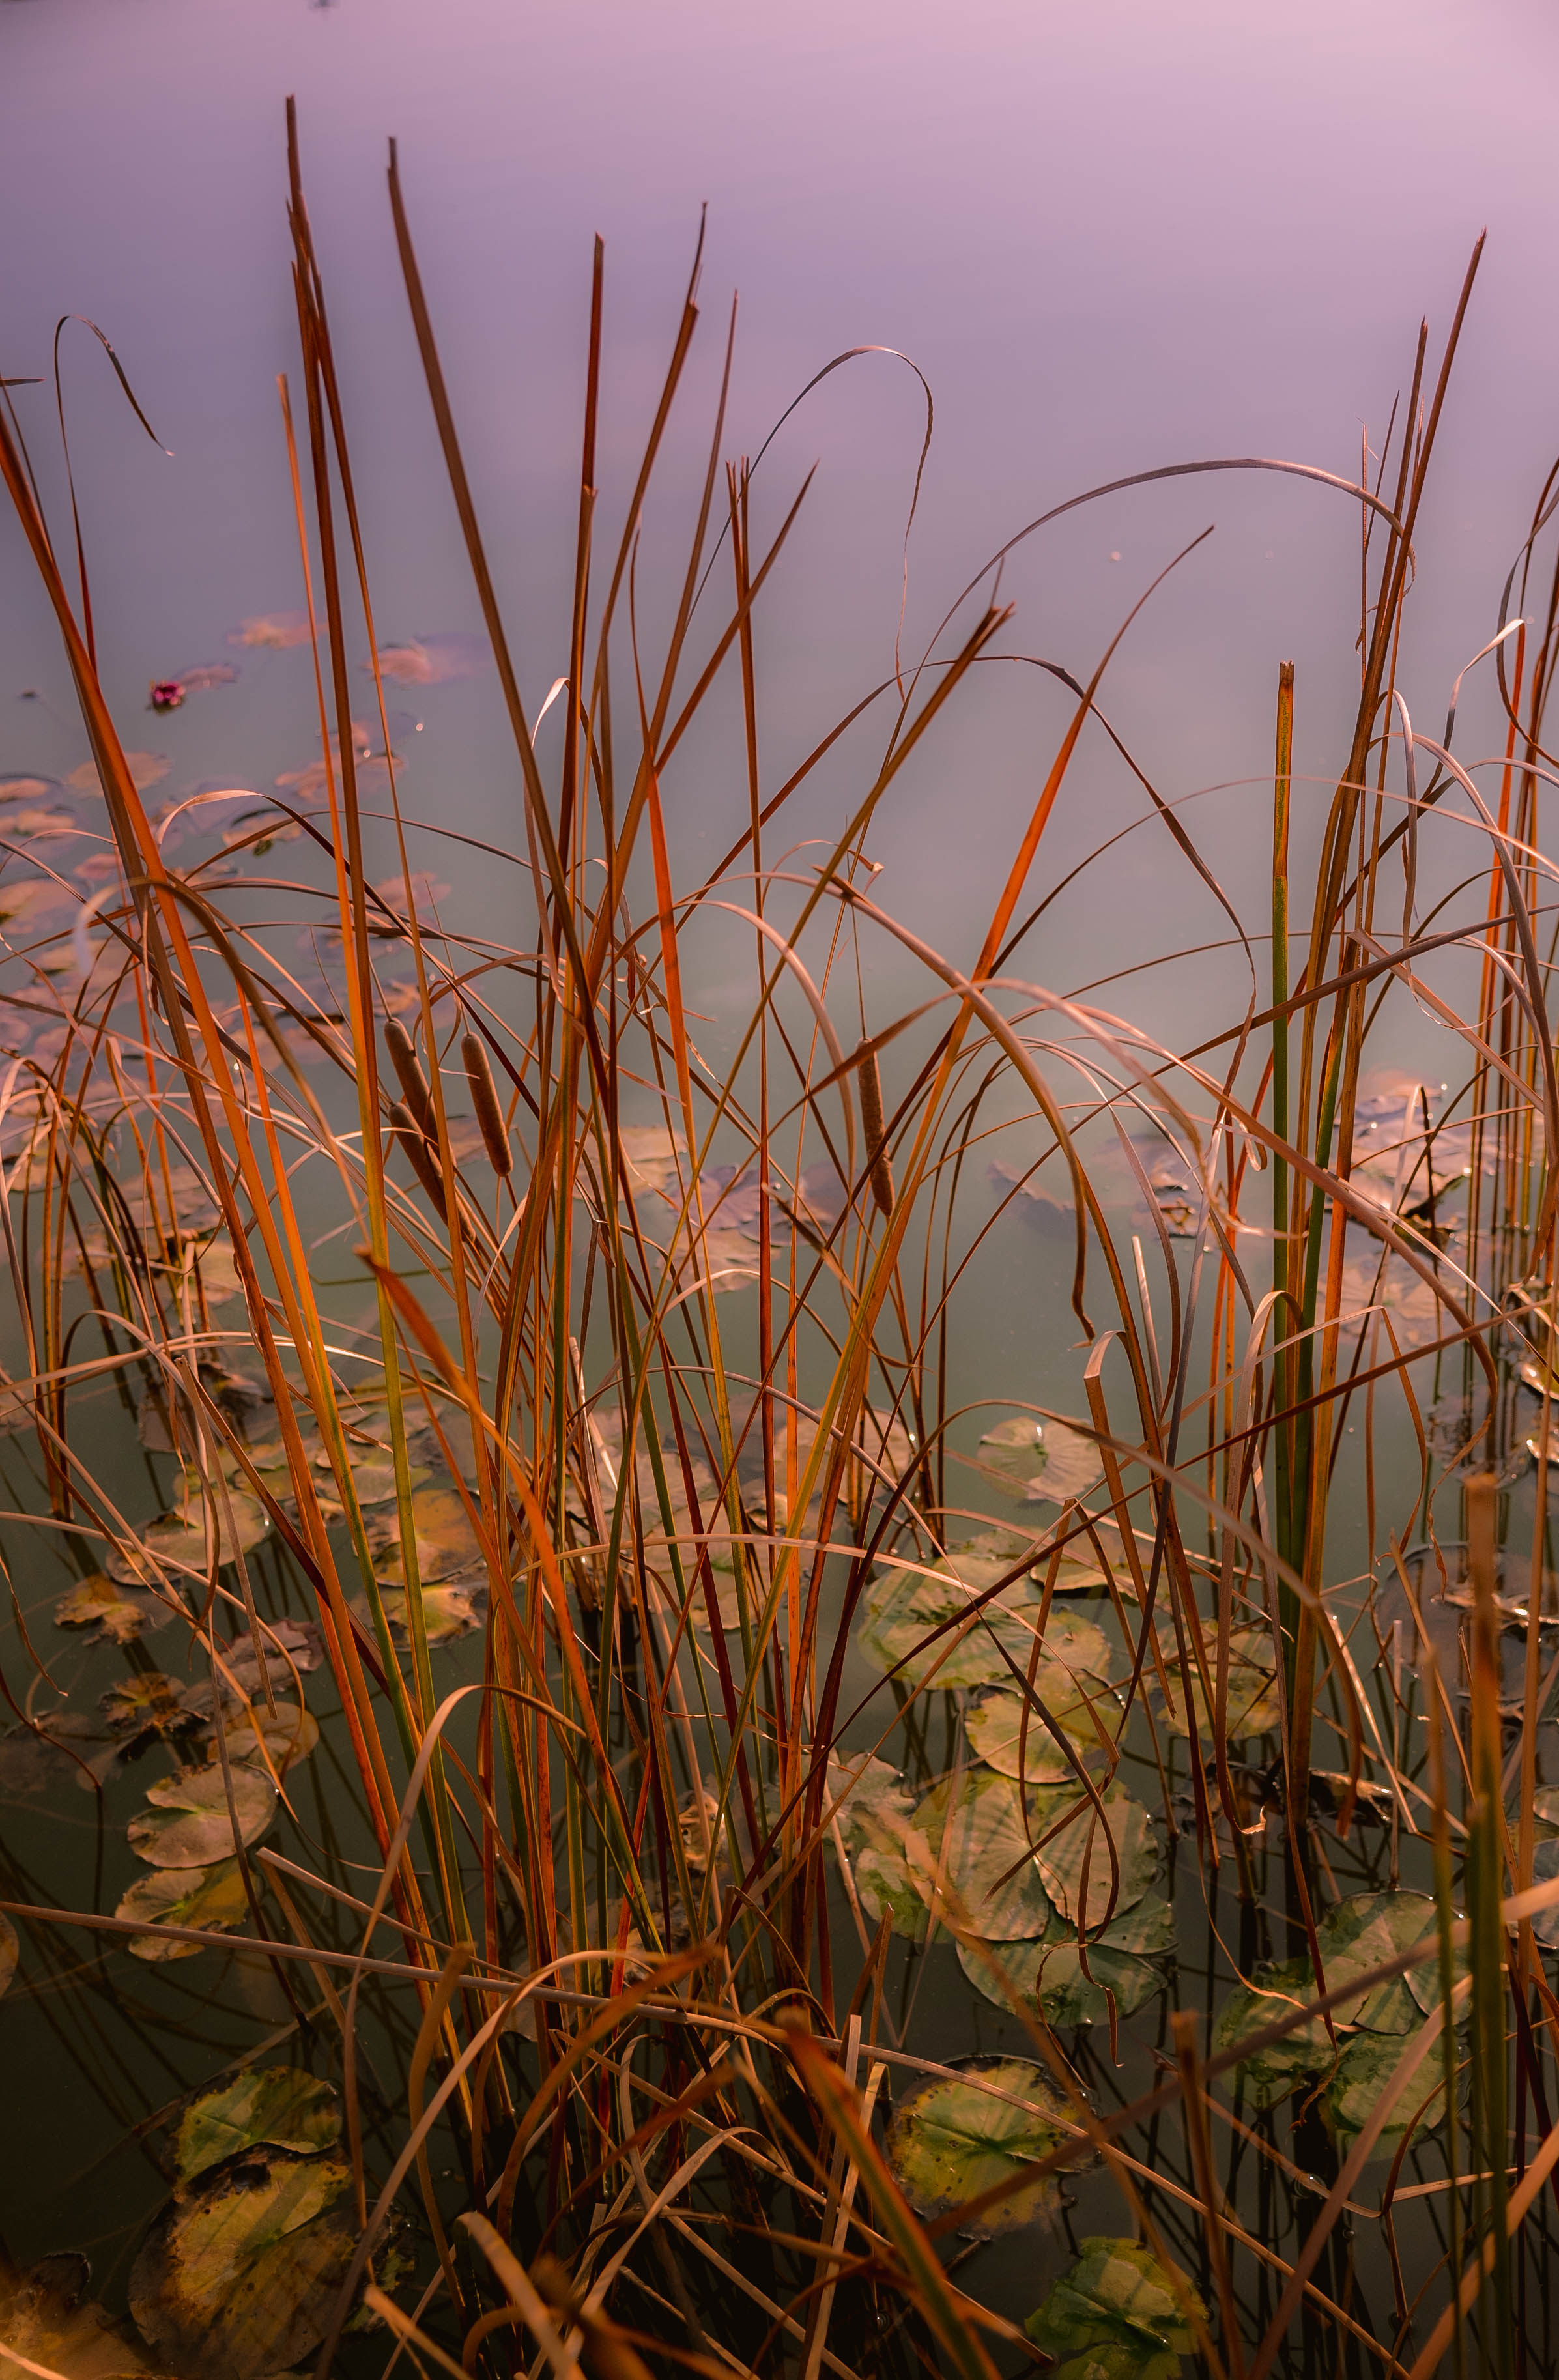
x=255, y=1734
x=211, y=1898
x=1082, y=1706
x=191, y=1823
x=268, y=2106
x=1365, y=1931
x=874, y=1817
x=241, y=2273
x=97, y=1603
x=1048, y=1975
x=1253, y=1705
x=971, y=1858
x=950, y=2139
x=179, y=1542
x=1274, y=1994
x=1118, y=2315
x=1118, y=1853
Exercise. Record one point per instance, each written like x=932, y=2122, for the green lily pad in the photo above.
x=1047, y=1462
x=191, y=1823
x=1080, y=1706
x=874, y=1818
x=1365, y=2067
x=972, y=1861
x=269, y=2106
x=1147, y=1928
x=949, y=2139
x=1365, y=1931
x=449, y=1611
x=178, y=1541
x=46, y=2315
x=211, y=1898
x=1117, y=2315
x=1253, y=1706
x=1083, y=1840
x=241, y=2273
x=11, y=1951
x=904, y=1608
x=1391, y=2009
x=1048, y=1975
x=1273, y=1992
x=114, y=1615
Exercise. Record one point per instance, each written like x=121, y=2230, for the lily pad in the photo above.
x=949, y=2139
x=1365, y=1931
x=904, y=1609
x=1117, y=2315
x=180, y=1541
x=874, y=1818
x=1048, y=1975
x=241, y=2270
x=112, y=1615
x=191, y=1824
x=445, y=1542
x=211, y=1898
x=147, y=1705
x=290, y=1734
x=46, y=2316
x=1365, y=2067
x=1273, y=1992
x=11, y=1951
x=1253, y=1706
x=1545, y=1925
x=1080, y=1706
x=449, y=1611
x=972, y=1861
x=269, y=2106
x=1048, y=1461
x=1083, y=1841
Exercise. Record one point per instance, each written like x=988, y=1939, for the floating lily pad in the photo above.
x=971, y=1858
x=1117, y=2315
x=950, y=2139
x=114, y=1615
x=449, y=1611
x=874, y=1819
x=191, y=1823
x=1048, y=1975
x=1545, y=1925
x=1113, y=1883
x=1080, y=1706
x=11, y=1951
x=1274, y=1993
x=1048, y=1461
x=46, y=2316
x=1364, y=2070
x=1253, y=1706
x=1391, y=2009
x=905, y=1607
x=446, y=1543
x=179, y=1540
x=280, y=1738
x=146, y=1705
x=241, y=2270
x=211, y=1898
x=1365, y=1931
x=269, y=2106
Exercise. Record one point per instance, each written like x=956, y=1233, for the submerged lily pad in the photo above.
x=46, y=2316
x=112, y=1614
x=269, y=2106
x=191, y=1824
x=241, y=2270
x=949, y=2139
x=1364, y=2070
x=211, y=1898
x=1117, y=2315
x=971, y=1858
x=1080, y=1706
x=1113, y=1884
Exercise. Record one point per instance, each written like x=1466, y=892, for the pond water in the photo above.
x=1110, y=241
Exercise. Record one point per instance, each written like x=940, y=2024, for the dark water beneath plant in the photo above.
x=1111, y=239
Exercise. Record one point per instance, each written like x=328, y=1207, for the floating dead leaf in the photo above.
x=112, y=1615
x=279, y=1738
x=191, y=1824
x=147, y=1704
x=265, y=2107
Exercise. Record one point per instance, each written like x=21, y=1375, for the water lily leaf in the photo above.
x=1273, y=1992
x=1015, y=1450
x=1365, y=1931
x=449, y=1611
x=1365, y=2067
x=46, y=2316
x=902, y=1607
x=1050, y=1463
x=1081, y=1706
x=970, y=1856
x=1117, y=2314
x=1253, y=1706
x=1391, y=2009
x=240, y=2272
x=280, y=1738
x=181, y=1540
x=1048, y=1975
x=59, y=1747
x=113, y=1616
x=874, y=1819
x=191, y=1824
x=1545, y=1925
x=1083, y=1842
x=287, y=1644
x=445, y=1542
x=212, y=1898
x=148, y=1704
x=949, y=2139
x=1147, y=1928
x=11, y=1951
x=269, y=2106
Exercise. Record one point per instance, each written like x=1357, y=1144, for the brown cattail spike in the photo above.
x=408, y=1072
x=877, y=1165
x=421, y=1151
x=485, y=1098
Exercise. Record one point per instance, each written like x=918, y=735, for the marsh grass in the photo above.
x=638, y=1430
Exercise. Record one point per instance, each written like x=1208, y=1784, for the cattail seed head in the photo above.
x=409, y=1073
x=485, y=1098
x=877, y=1166
x=422, y=1154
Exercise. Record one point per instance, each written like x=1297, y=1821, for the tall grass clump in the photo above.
x=621, y=1740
